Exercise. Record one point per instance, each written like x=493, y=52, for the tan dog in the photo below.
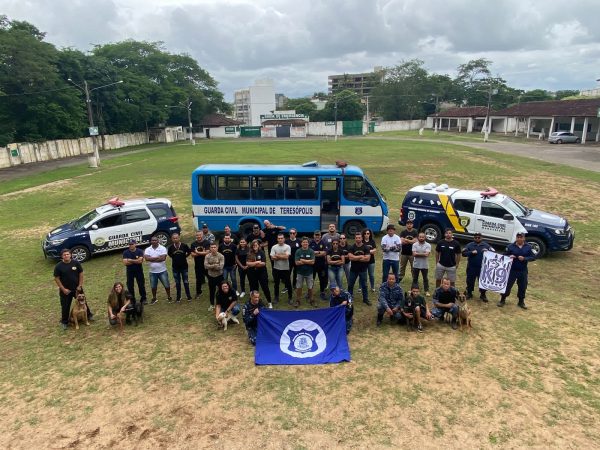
x=224, y=318
x=464, y=312
x=79, y=313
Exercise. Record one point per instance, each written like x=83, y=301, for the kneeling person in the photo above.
x=390, y=300
x=444, y=301
x=251, y=310
x=339, y=297
x=226, y=306
x=415, y=308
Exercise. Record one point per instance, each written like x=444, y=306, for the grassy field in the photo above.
x=455, y=136
x=519, y=379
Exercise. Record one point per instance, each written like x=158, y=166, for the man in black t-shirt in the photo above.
x=68, y=276
x=179, y=252
x=320, y=267
x=256, y=235
x=294, y=244
x=200, y=248
x=447, y=258
x=407, y=237
x=359, y=255
x=133, y=258
x=228, y=249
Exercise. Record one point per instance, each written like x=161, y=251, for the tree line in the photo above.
x=408, y=91
x=38, y=102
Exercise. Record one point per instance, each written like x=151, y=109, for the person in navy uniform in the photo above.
x=68, y=276
x=340, y=297
x=521, y=253
x=133, y=258
x=250, y=314
x=474, y=253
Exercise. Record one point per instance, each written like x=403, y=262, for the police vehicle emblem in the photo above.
x=358, y=210
x=464, y=221
x=99, y=242
x=303, y=339
x=411, y=215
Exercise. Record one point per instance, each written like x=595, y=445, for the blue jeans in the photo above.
x=162, y=276
x=335, y=275
x=439, y=312
x=179, y=276
x=387, y=265
x=230, y=272
x=362, y=279
x=371, y=275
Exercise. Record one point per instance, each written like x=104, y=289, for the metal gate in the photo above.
x=249, y=131
x=283, y=131
x=352, y=128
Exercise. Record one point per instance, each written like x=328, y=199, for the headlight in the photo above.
x=560, y=231
x=57, y=241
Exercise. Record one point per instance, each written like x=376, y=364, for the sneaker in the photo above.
x=367, y=302
x=469, y=296
x=64, y=326
x=189, y=299
x=291, y=301
x=270, y=305
x=378, y=323
x=276, y=300
x=296, y=304
x=242, y=294
x=323, y=296
x=501, y=303
x=483, y=298
x=359, y=290
x=169, y=300
x=237, y=293
x=211, y=308
x=178, y=300
x=197, y=296
x=234, y=320
x=522, y=305
x=419, y=328
x=284, y=291
x=427, y=294
x=154, y=301
x=372, y=289
x=144, y=302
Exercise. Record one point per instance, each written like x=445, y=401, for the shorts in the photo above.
x=162, y=276
x=450, y=272
x=301, y=279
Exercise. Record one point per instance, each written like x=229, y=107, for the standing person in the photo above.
x=133, y=258
x=447, y=258
x=369, y=240
x=213, y=263
x=228, y=249
x=207, y=234
x=117, y=304
x=320, y=266
x=226, y=303
x=444, y=301
x=344, y=249
x=68, y=276
x=474, y=253
x=521, y=253
x=421, y=251
x=294, y=244
x=256, y=235
x=331, y=235
x=408, y=237
x=156, y=256
x=257, y=270
x=390, y=245
x=250, y=313
x=200, y=248
x=305, y=260
x=241, y=254
x=179, y=252
x=360, y=257
x=271, y=231
x=339, y=297
x=280, y=255
x=335, y=263
x=227, y=232
x=390, y=300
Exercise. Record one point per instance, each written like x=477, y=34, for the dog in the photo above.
x=79, y=312
x=464, y=312
x=134, y=312
x=447, y=317
x=225, y=317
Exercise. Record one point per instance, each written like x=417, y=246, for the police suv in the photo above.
x=496, y=216
x=111, y=226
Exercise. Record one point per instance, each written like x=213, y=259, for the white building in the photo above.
x=250, y=103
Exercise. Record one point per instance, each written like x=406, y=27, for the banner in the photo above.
x=302, y=337
x=494, y=272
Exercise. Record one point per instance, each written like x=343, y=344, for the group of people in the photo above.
x=237, y=262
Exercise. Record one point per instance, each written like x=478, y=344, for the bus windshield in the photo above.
x=358, y=189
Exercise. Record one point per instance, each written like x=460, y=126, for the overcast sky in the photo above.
x=298, y=43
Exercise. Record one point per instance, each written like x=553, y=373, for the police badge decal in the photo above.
x=303, y=339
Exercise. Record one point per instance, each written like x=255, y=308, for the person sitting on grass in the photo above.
x=444, y=301
x=339, y=297
x=226, y=305
x=117, y=304
x=414, y=308
x=250, y=314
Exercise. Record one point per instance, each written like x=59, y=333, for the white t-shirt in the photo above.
x=421, y=262
x=281, y=264
x=156, y=267
x=392, y=243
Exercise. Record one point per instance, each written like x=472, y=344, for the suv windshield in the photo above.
x=79, y=223
x=514, y=207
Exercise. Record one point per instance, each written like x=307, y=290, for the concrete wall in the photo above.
x=324, y=129
x=65, y=148
x=400, y=125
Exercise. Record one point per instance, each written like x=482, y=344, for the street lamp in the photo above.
x=188, y=106
x=95, y=161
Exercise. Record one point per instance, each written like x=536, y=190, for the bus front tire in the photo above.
x=246, y=228
x=352, y=227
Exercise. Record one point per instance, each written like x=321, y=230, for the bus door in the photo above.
x=330, y=201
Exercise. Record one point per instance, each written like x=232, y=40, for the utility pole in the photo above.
x=368, y=120
x=187, y=105
x=335, y=105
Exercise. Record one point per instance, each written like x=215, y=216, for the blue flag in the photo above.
x=316, y=336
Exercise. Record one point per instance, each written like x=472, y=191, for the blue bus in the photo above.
x=307, y=197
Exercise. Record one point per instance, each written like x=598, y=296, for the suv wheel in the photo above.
x=537, y=245
x=577, y=141
x=433, y=233
x=80, y=253
x=163, y=238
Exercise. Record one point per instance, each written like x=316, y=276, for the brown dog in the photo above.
x=464, y=312
x=79, y=313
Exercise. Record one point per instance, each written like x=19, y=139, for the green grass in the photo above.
x=182, y=375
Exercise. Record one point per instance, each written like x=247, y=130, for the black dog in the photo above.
x=134, y=311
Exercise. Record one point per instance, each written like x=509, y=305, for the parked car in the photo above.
x=111, y=226
x=496, y=216
x=563, y=137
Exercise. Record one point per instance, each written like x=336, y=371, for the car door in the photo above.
x=138, y=224
x=491, y=222
x=465, y=208
x=105, y=231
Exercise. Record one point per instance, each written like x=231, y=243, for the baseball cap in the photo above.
x=132, y=241
x=204, y=226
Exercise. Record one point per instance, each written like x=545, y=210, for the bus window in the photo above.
x=267, y=188
x=357, y=189
x=233, y=188
x=301, y=188
x=207, y=187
